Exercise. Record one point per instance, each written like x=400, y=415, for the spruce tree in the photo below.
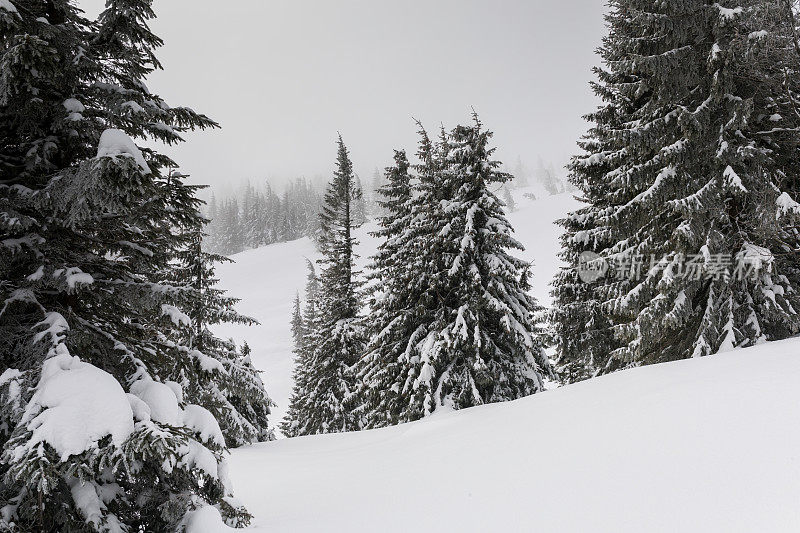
x=388, y=271
x=521, y=173
x=454, y=326
x=97, y=433
x=401, y=317
x=298, y=326
x=546, y=177
x=396, y=204
x=508, y=199
x=303, y=332
x=338, y=333
x=685, y=175
x=359, y=204
x=490, y=347
x=233, y=391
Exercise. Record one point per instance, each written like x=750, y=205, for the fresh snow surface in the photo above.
x=707, y=445
x=206, y=519
x=114, y=142
x=267, y=278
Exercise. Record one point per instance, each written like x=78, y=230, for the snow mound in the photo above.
x=206, y=519
x=786, y=205
x=178, y=317
x=73, y=105
x=75, y=405
x=195, y=455
x=161, y=400
x=75, y=109
x=74, y=276
x=114, y=142
x=703, y=445
x=202, y=422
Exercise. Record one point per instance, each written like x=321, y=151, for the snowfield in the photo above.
x=704, y=445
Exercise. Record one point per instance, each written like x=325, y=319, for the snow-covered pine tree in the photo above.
x=298, y=326
x=338, y=332
x=390, y=390
x=232, y=390
x=773, y=47
x=546, y=177
x=458, y=329
x=303, y=333
x=684, y=162
x=395, y=202
x=95, y=433
x=521, y=174
x=388, y=314
x=486, y=343
x=359, y=204
x=508, y=199
x=376, y=183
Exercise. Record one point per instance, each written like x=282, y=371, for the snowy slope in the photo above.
x=704, y=445
x=266, y=280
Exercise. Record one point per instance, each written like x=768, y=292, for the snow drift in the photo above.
x=705, y=445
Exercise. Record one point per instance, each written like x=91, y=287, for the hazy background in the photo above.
x=282, y=77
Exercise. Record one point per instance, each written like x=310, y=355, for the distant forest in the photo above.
x=262, y=214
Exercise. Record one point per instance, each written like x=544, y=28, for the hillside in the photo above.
x=703, y=445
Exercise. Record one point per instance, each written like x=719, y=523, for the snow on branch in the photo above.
x=114, y=142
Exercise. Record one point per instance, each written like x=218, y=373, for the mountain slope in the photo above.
x=705, y=445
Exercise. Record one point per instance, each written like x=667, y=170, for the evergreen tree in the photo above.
x=96, y=432
x=455, y=327
x=377, y=183
x=685, y=176
x=298, y=326
x=232, y=390
x=396, y=204
x=508, y=199
x=338, y=332
x=389, y=270
x=521, y=173
x=359, y=205
x=546, y=177
x=303, y=332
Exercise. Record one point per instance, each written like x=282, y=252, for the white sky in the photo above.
x=283, y=76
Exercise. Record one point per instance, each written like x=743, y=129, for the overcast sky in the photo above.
x=282, y=77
